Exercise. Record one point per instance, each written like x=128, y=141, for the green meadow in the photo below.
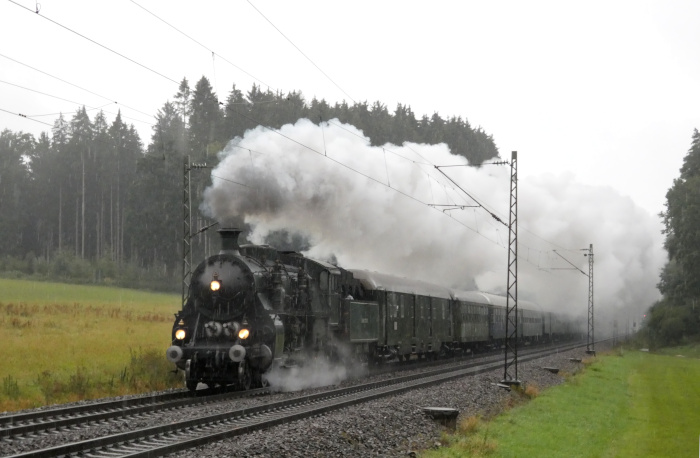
x=65, y=342
x=623, y=404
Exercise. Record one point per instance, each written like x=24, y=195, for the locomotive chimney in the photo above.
x=229, y=240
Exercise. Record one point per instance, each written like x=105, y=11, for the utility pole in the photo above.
x=510, y=369
x=187, y=226
x=590, y=346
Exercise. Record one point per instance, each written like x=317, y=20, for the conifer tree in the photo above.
x=680, y=281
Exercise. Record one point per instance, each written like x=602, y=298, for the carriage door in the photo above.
x=330, y=300
x=413, y=305
x=393, y=335
x=430, y=316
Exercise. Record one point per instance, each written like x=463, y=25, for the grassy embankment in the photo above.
x=66, y=342
x=624, y=404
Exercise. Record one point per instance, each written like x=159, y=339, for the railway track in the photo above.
x=176, y=436
x=55, y=420
x=46, y=421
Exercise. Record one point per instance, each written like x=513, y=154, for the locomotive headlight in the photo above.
x=180, y=334
x=243, y=334
x=215, y=285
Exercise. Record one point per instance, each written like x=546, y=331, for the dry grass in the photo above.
x=531, y=391
x=466, y=441
x=468, y=425
x=520, y=394
x=103, y=342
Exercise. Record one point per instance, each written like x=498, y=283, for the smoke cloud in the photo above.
x=389, y=209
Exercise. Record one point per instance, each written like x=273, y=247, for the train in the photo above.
x=252, y=308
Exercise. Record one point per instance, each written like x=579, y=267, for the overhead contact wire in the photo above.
x=301, y=52
x=69, y=101
x=200, y=44
x=94, y=42
x=74, y=85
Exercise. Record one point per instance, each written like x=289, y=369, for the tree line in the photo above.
x=676, y=317
x=91, y=202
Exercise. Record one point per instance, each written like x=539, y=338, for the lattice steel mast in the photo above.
x=510, y=369
x=187, y=226
x=590, y=347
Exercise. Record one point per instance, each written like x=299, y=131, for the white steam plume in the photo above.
x=314, y=374
x=371, y=208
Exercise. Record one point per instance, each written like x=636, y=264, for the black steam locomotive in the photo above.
x=251, y=308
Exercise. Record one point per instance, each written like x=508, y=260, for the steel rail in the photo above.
x=55, y=419
x=159, y=440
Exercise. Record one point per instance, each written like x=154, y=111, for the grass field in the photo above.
x=625, y=404
x=67, y=342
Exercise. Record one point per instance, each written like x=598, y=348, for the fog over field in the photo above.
x=389, y=209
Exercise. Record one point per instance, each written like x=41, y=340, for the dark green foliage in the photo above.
x=87, y=203
x=157, y=190
x=676, y=317
x=668, y=324
x=680, y=280
x=205, y=123
x=15, y=185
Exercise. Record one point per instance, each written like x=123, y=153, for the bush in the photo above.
x=12, y=264
x=65, y=266
x=669, y=324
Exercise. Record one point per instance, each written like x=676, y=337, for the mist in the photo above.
x=389, y=209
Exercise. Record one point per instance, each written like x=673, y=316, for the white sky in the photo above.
x=606, y=90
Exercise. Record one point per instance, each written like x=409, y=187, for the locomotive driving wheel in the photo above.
x=190, y=382
x=245, y=375
x=259, y=381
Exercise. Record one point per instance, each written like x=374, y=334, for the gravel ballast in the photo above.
x=393, y=426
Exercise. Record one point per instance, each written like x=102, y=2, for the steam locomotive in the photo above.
x=251, y=308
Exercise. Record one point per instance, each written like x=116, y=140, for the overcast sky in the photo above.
x=600, y=100
x=608, y=91
x=601, y=93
